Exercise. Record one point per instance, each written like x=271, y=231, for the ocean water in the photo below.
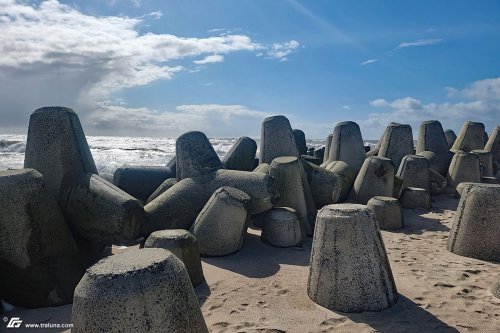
x=111, y=153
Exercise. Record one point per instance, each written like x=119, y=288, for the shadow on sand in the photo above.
x=404, y=316
x=259, y=260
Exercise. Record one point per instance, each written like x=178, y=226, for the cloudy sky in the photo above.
x=160, y=68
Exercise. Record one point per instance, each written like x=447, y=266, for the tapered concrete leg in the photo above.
x=464, y=167
x=241, y=155
x=450, y=137
x=347, y=145
x=141, y=182
x=276, y=139
x=471, y=137
x=282, y=228
x=195, y=156
x=387, y=211
x=414, y=172
x=300, y=141
x=376, y=178
x=397, y=142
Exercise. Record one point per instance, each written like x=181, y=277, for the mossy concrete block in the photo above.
x=350, y=271
x=144, y=290
x=184, y=245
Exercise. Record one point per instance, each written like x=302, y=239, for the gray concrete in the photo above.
x=319, y=153
x=300, y=141
x=431, y=138
x=414, y=172
x=486, y=162
x=328, y=144
x=294, y=189
x=414, y=197
x=97, y=210
x=282, y=228
x=172, y=164
x=276, y=139
x=397, y=142
x=349, y=269
x=57, y=148
x=347, y=145
x=464, y=167
x=438, y=183
x=493, y=144
x=347, y=176
x=439, y=162
x=141, y=181
x=263, y=168
x=460, y=188
x=471, y=137
x=311, y=159
x=310, y=151
x=325, y=186
x=185, y=247
x=476, y=225
x=162, y=188
x=241, y=155
x=195, y=156
x=376, y=178
x=38, y=256
x=489, y=180
x=221, y=226
x=450, y=137
x=387, y=211
x=146, y=290
x=178, y=207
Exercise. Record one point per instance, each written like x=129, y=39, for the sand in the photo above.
x=263, y=289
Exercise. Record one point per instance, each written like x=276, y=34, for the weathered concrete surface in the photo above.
x=263, y=168
x=431, y=138
x=347, y=176
x=376, y=178
x=38, y=256
x=471, y=137
x=99, y=211
x=276, y=139
x=347, y=145
x=145, y=290
x=414, y=172
x=282, y=228
x=141, y=182
x=178, y=207
x=387, y=211
x=195, y=156
x=349, y=269
x=493, y=144
x=438, y=182
x=439, y=162
x=486, y=162
x=241, y=155
x=464, y=167
x=185, y=247
x=221, y=225
x=168, y=183
x=450, y=137
x=57, y=148
x=300, y=141
x=414, y=197
x=397, y=142
x=325, y=185
x=476, y=226
x=328, y=144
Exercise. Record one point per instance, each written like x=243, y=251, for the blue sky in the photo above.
x=160, y=68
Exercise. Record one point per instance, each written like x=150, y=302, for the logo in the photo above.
x=14, y=322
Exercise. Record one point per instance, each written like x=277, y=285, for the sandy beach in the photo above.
x=263, y=288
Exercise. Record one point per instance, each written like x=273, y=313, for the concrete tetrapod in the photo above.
x=282, y=228
x=350, y=271
x=263, y=168
x=347, y=176
x=450, y=137
x=486, y=162
x=178, y=207
x=162, y=188
x=241, y=155
x=141, y=181
x=325, y=186
x=493, y=144
x=376, y=178
x=221, y=226
x=185, y=247
x=195, y=156
x=300, y=141
x=144, y=290
x=397, y=142
x=471, y=137
x=38, y=256
x=432, y=145
x=294, y=189
x=387, y=211
x=347, y=145
x=476, y=225
x=464, y=167
x=414, y=197
x=98, y=210
x=328, y=144
x=414, y=172
x=276, y=139
x=439, y=162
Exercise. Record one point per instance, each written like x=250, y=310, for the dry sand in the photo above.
x=263, y=289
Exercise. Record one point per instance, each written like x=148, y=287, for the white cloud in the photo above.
x=210, y=59
x=379, y=102
x=369, y=61
x=420, y=42
x=282, y=50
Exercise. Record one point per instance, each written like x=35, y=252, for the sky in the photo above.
x=162, y=68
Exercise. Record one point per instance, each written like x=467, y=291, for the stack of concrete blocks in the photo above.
x=281, y=227
x=144, y=290
x=241, y=155
x=184, y=246
x=376, y=178
x=476, y=226
x=397, y=142
x=39, y=260
x=432, y=145
x=221, y=226
x=387, y=211
x=200, y=174
x=350, y=271
x=294, y=191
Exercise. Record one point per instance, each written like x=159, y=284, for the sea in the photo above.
x=112, y=152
